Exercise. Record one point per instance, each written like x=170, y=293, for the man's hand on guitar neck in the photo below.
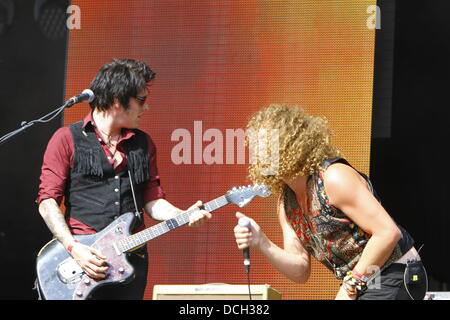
x=198, y=217
x=92, y=261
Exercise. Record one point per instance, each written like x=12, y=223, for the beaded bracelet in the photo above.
x=360, y=276
x=353, y=285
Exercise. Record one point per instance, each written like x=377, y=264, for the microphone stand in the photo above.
x=47, y=118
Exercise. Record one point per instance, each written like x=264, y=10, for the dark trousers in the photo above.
x=397, y=282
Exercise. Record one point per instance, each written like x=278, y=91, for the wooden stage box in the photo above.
x=214, y=292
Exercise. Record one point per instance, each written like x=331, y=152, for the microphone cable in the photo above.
x=247, y=271
x=25, y=124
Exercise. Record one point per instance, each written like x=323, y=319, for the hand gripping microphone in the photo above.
x=245, y=223
x=86, y=95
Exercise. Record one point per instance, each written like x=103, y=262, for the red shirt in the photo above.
x=58, y=160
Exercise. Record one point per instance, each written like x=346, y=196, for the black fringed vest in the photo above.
x=95, y=194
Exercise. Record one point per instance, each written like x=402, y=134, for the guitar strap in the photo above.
x=137, y=213
x=139, y=217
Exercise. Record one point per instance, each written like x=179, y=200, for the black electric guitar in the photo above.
x=61, y=278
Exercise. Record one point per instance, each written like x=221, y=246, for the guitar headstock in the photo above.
x=241, y=196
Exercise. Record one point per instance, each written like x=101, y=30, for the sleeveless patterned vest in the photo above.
x=327, y=233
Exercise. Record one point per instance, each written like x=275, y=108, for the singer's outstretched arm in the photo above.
x=293, y=260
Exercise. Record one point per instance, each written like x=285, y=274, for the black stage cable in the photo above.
x=247, y=269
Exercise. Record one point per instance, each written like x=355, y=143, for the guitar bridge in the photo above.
x=69, y=271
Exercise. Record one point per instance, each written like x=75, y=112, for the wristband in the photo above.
x=70, y=246
x=353, y=285
x=360, y=277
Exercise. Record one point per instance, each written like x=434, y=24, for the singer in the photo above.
x=88, y=164
x=330, y=211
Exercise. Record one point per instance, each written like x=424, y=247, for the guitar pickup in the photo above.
x=69, y=271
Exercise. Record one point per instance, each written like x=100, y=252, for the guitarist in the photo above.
x=95, y=165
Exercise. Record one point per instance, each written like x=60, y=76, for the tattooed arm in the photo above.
x=91, y=260
x=54, y=218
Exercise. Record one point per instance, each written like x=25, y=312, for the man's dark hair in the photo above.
x=121, y=79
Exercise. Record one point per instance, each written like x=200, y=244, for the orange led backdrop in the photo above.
x=217, y=62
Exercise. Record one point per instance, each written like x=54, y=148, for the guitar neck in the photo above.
x=138, y=239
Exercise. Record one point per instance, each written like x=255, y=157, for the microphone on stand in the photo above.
x=86, y=95
x=245, y=223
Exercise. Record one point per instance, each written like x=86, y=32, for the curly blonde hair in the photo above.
x=303, y=143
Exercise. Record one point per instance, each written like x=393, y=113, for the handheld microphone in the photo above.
x=86, y=95
x=245, y=222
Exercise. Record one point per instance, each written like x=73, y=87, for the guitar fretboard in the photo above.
x=138, y=239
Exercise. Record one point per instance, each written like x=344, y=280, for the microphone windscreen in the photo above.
x=89, y=93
